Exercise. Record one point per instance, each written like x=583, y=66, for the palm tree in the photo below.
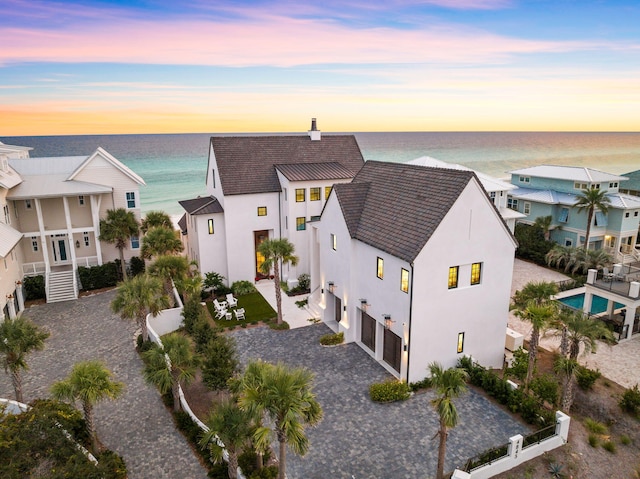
x=537, y=291
x=233, y=427
x=559, y=256
x=154, y=219
x=566, y=369
x=168, y=268
x=172, y=374
x=160, y=241
x=592, y=199
x=90, y=382
x=137, y=297
x=448, y=384
x=276, y=251
x=18, y=338
x=190, y=286
x=592, y=259
x=117, y=229
x=544, y=223
x=583, y=330
x=540, y=316
x=285, y=396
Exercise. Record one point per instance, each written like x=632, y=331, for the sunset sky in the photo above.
x=163, y=66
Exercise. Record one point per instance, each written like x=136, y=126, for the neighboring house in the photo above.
x=261, y=187
x=414, y=264
x=632, y=185
x=553, y=190
x=55, y=206
x=495, y=188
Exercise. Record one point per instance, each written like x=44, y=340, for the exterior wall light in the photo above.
x=331, y=287
x=388, y=322
x=363, y=305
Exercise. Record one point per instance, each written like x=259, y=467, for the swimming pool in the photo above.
x=598, y=304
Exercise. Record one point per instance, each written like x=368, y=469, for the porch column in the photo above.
x=72, y=244
x=629, y=317
x=20, y=295
x=94, y=202
x=12, y=306
x=610, y=307
x=43, y=237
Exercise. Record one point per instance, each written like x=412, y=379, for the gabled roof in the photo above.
x=9, y=238
x=314, y=171
x=182, y=224
x=246, y=164
x=48, y=186
x=396, y=207
x=634, y=181
x=10, y=150
x=202, y=205
x=111, y=159
x=9, y=178
x=617, y=200
x=55, y=165
x=573, y=173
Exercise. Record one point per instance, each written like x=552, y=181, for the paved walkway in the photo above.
x=359, y=438
x=291, y=313
x=137, y=426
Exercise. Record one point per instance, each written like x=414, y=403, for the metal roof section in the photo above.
x=9, y=178
x=54, y=165
x=14, y=149
x=314, y=171
x=9, y=238
x=573, y=173
x=617, y=200
x=111, y=159
x=509, y=214
x=50, y=186
x=202, y=205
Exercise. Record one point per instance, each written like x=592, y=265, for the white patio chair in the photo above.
x=239, y=314
x=606, y=275
x=221, y=313
x=219, y=305
x=617, y=272
x=231, y=301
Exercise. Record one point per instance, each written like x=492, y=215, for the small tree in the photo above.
x=220, y=362
x=18, y=338
x=276, y=251
x=156, y=219
x=544, y=223
x=213, y=281
x=540, y=316
x=118, y=228
x=170, y=375
x=159, y=241
x=89, y=382
x=448, y=384
x=592, y=199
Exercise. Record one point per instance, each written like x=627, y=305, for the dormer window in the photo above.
x=525, y=179
x=580, y=186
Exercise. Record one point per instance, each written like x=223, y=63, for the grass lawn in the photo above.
x=255, y=306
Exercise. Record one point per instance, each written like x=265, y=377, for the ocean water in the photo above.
x=173, y=166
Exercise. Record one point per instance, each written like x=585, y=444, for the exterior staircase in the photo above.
x=61, y=286
x=313, y=305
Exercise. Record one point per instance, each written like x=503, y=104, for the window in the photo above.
x=262, y=210
x=404, y=280
x=27, y=204
x=525, y=179
x=568, y=242
x=301, y=223
x=380, y=268
x=580, y=186
x=213, y=178
x=334, y=242
x=453, y=277
x=7, y=215
x=492, y=197
x=512, y=203
x=601, y=219
x=286, y=222
x=314, y=194
x=476, y=273
x=327, y=192
x=596, y=186
x=81, y=200
x=300, y=195
x=85, y=237
x=210, y=225
x=285, y=195
x=131, y=199
x=34, y=243
x=563, y=217
x=635, y=213
x=460, y=347
x=315, y=218
x=613, y=185
x=526, y=208
x=135, y=242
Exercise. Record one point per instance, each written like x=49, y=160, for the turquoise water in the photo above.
x=173, y=166
x=598, y=304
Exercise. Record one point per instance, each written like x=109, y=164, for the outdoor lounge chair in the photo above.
x=221, y=313
x=606, y=275
x=231, y=301
x=239, y=314
x=219, y=305
x=617, y=272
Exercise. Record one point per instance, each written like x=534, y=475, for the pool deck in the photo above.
x=617, y=363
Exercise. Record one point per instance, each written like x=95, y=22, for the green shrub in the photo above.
x=304, y=282
x=587, y=377
x=190, y=314
x=136, y=266
x=520, y=364
x=424, y=384
x=332, y=339
x=593, y=440
x=219, y=362
x=625, y=440
x=96, y=277
x=111, y=465
x=241, y=288
x=302, y=303
x=279, y=327
x=546, y=388
x=609, y=446
x=630, y=401
x=595, y=427
x=34, y=287
x=388, y=391
x=269, y=472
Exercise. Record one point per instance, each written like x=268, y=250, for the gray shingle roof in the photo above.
x=314, y=171
x=203, y=205
x=396, y=207
x=246, y=163
x=182, y=224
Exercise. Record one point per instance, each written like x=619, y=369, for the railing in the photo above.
x=567, y=284
x=539, y=436
x=34, y=269
x=87, y=261
x=487, y=457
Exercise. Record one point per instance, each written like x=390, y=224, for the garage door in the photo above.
x=392, y=352
x=368, y=331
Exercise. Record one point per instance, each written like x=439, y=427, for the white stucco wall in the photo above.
x=212, y=247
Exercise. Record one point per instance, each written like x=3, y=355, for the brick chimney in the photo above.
x=314, y=133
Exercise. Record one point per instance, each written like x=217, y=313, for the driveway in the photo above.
x=359, y=438
x=137, y=426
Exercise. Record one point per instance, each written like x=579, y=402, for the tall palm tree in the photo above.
x=448, y=385
x=276, y=251
x=154, y=219
x=18, y=338
x=190, y=286
x=168, y=268
x=284, y=395
x=233, y=427
x=566, y=368
x=90, y=382
x=592, y=199
x=172, y=374
x=559, y=256
x=538, y=291
x=137, y=297
x=544, y=223
x=160, y=241
x=540, y=315
x=117, y=228
x=583, y=330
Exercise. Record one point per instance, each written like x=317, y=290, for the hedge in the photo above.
x=388, y=391
x=97, y=277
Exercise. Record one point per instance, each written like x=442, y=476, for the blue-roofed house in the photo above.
x=549, y=190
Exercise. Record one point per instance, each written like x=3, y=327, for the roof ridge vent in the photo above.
x=314, y=133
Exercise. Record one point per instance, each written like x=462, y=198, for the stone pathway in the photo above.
x=137, y=426
x=363, y=439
